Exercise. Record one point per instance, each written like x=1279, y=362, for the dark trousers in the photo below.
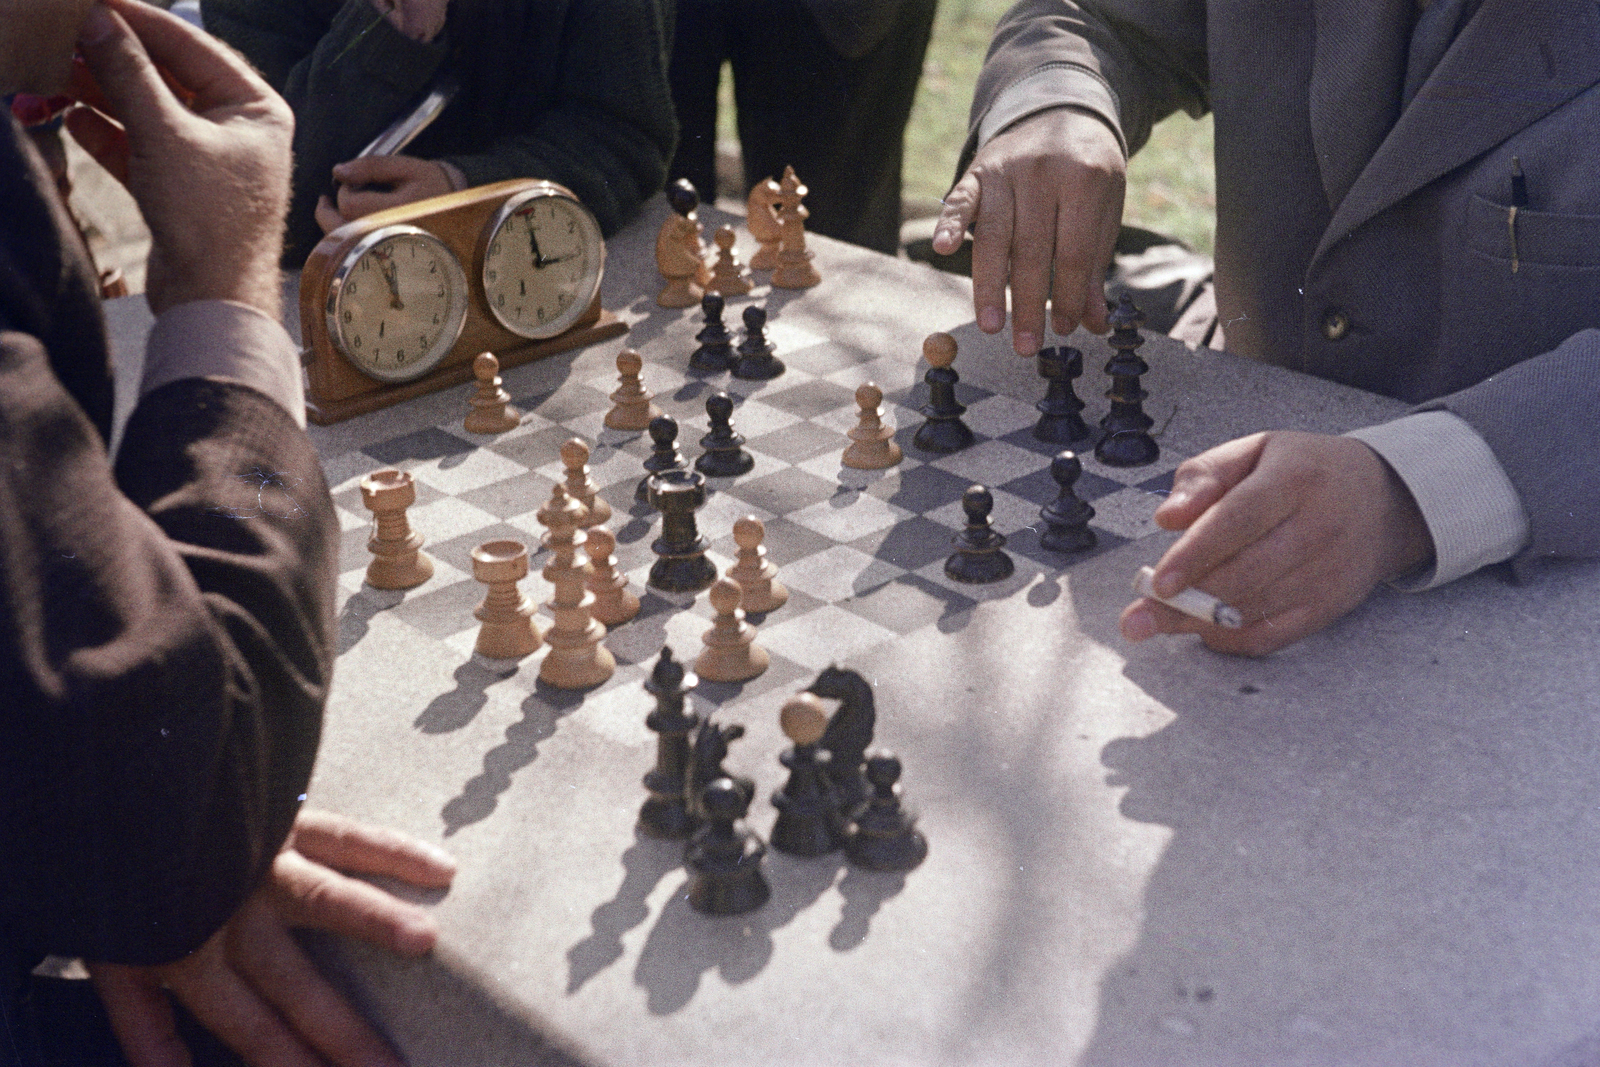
x=839, y=120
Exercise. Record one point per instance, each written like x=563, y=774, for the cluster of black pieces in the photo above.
x=838, y=797
x=754, y=359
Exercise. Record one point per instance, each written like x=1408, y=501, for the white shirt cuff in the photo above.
x=1471, y=508
x=1055, y=85
x=228, y=341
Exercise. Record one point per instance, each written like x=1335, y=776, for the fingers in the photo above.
x=991, y=250
x=960, y=208
x=327, y=215
x=309, y=894
x=140, y=1015
x=275, y=967
x=198, y=62
x=221, y=999
x=347, y=845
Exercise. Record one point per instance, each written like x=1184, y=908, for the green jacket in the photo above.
x=570, y=90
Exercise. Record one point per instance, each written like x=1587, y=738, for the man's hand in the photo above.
x=1292, y=529
x=1046, y=193
x=373, y=183
x=251, y=985
x=211, y=178
x=420, y=20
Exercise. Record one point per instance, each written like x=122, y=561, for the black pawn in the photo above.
x=724, y=455
x=715, y=353
x=885, y=836
x=682, y=566
x=664, y=455
x=944, y=431
x=1127, y=441
x=980, y=550
x=756, y=361
x=1067, y=518
x=666, y=813
x=1059, y=422
x=724, y=856
x=682, y=197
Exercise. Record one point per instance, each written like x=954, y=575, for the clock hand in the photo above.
x=391, y=274
x=539, y=261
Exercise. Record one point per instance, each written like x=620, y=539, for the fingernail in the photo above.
x=1139, y=624
x=97, y=26
x=439, y=856
x=415, y=936
x=1026, y=343
x=990, y=320
x=1169, y=584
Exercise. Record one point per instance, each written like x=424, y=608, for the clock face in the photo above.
x=542, y=262
x=397, y=302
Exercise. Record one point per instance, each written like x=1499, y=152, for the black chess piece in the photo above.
x=715, y=353
x=682, y=566
x=1067, y=518
x=666, y=813
x=1127, y=441
x=724, y=856
x=756, y=360
x=848, y=734
x=724, y=455
x=706, y=753
x=664, y=455
x=884, y=836
x=808, y=811
x=1059, y=422
x=944, y=431
x=980, y=550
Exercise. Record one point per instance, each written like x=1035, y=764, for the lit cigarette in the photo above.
x=1191, y=602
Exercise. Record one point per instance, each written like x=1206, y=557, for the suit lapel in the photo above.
x=1358, y=69
x=1513, y=63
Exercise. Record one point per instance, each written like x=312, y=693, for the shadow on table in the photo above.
x=1385, y=840
x=481, y=794
x=437, y=1011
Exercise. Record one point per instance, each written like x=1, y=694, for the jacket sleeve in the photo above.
x=1132, y=62
x=165, y=652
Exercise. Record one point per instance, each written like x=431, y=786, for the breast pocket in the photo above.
x=1543, y=238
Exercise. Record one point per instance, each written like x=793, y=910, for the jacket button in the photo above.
x=1335, y=324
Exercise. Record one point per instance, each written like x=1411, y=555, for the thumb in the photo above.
x=134, y=92
x=1202, y=480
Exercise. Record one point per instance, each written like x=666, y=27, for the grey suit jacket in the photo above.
x=1331, y=201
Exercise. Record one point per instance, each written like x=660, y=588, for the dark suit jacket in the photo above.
x=1330, y=199
x=165, y=625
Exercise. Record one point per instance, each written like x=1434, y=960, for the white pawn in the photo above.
x=632, y=409
x=729, y=277
x=575, y=457
x=873, y=447
x=491, y=405
x=731, y=653
x=613, y=604
x=751, y=570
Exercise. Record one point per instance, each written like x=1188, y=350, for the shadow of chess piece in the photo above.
x=944, y=431
x=664, y=455
x=808, y=819
x=1067, y=517
x=665, y=814
x=509, y=630
x=491, y=404
x=725, y=856
x=631, y=403
x=980, y=550
x=680, y=256
x=872, y=440
x=728, y=276
x=884, y=836
x=724, y=455
x=681, y=566
x=715, y=353
x=1127, y=441
x=756, y=362
x=398, y=561
x=1059, y=422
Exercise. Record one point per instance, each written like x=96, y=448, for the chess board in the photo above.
x=861, y=552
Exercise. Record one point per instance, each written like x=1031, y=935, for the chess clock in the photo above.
x=399, y=303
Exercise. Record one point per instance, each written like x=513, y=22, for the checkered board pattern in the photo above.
x=861, y=552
